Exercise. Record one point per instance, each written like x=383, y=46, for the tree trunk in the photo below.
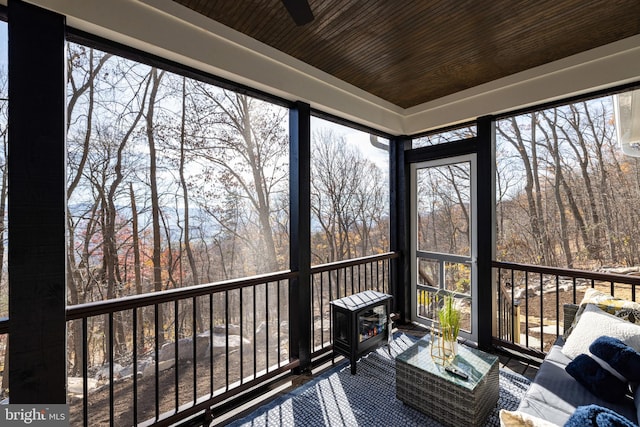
x=553, y=145
x=137, y=271
x=155, y=202
x=605, y=195
x=263, y=205
x=592, y=241
x=185, y=197
x=74, y=284
x=110, y=237
x=532, y=188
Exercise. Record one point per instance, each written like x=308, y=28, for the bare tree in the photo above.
x=83, y=66
x=585, y=188
x=348, y=196
x=511, y=131
x=600, y=139
x=576, y=139
x=553, y=147
x=333, y=179
x=136, y=262
x=154, y=80
x=185, y=197
x=244, y=143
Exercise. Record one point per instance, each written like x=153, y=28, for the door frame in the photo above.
x=472, y=158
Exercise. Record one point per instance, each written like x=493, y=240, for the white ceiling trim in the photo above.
x=604, y=67
x=169, y=30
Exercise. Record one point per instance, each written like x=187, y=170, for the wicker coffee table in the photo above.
x=426, y=386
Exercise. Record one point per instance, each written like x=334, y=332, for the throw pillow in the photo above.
x=595, y=323
x=617, y=355
x=521, y=419
x=624, y=309
x=597, y=416
x=597, y=379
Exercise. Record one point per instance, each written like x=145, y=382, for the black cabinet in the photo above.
x=360, y=324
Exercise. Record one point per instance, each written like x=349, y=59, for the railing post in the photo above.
x=487, y=287
x=516, y=324
x=399, y=215
x=37, y=205
x=300, y=321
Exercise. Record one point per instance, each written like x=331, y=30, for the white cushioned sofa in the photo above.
x=554, y=395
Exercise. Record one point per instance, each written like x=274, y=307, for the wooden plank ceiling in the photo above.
x=412, y=51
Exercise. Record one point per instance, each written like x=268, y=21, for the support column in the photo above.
x=36, y=161
x=486, y=149
x=399, y=217
x=300, y=234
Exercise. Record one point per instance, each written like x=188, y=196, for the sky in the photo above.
x=4, y=45
x=358, y=139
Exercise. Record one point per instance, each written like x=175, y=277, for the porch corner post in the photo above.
x=487, y=306
x=399, y=213
x=36, y=205
x=300, y=235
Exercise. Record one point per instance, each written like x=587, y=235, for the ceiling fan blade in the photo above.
x=299, y=10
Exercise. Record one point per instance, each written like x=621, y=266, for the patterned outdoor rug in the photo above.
x=337, y=398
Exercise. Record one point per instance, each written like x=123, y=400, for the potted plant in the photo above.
x=449, y=318
x=444, y=338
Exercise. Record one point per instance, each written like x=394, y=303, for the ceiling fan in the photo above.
x=299, y=11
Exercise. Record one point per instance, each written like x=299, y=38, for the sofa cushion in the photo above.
x=624, y=309
x=521, y=419
x=595, y=323
x=554, y=395
x=597, y=379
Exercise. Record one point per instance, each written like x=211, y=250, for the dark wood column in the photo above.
x=486, y=149
x=399, y=217
x=36, y=160
x=300, y=234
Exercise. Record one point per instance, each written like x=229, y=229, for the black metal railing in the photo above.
x=161, y=357
x=539, y=293
x=509, y=315
x=339, y=279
